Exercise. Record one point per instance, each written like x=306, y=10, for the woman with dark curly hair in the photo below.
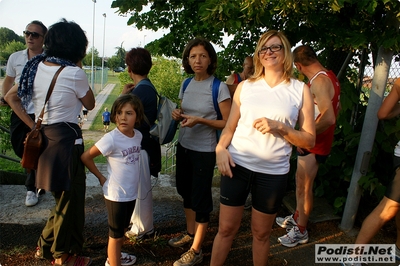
x=195, y=156
x=60, y=169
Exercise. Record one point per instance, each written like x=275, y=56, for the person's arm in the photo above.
x=323, y=91
x=224, y=159
x=191, y=121
x=304, y=137
x=15, y=103
x=7, y=85
x=88, y=100
x=391, y=107
x=224, y=107
x=87, y=159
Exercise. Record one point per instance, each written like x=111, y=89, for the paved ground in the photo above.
x=101, y=97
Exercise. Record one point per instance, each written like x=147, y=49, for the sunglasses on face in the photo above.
x=34, y=35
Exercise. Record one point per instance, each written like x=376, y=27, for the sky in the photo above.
x=16, y=14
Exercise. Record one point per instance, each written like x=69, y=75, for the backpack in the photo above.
x=164, y=130
x=215, y=90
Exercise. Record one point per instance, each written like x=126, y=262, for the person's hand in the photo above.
x=300, y=150
x=224, y=161
x=265, y=125
x=128, y=88
x=102, y=180
x=176, y=114
x=188, y=120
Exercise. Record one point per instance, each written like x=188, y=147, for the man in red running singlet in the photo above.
x=235, y=78
x=326, y=92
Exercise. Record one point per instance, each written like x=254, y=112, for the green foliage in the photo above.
x=166, y=75
x=7, y=36
x=5, y=113
x=120, y=55
x=113, y=62
x=337, y=26
x=5, y=144
x=87, y=61
x=10, y=48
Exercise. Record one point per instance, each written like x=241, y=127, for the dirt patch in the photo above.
x=18, y=241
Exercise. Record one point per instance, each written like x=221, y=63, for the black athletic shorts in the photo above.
x=318, y=158
x=393, y=189
x=267, y=191
x=119, y=217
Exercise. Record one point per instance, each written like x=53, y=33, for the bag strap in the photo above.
x=215, y=90
x=148, y=83
x=51, y=87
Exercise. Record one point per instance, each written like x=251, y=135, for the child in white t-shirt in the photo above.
x=121, y=147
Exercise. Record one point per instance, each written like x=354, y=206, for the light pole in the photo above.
x=144, y=41
x=94, y=9
x=102, y=60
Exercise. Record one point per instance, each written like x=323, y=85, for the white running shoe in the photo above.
x=126, y=259
x=31, y=199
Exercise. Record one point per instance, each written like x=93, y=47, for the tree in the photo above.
x=333, y=26
x=166, y=75
x=120, y=54
x=87, y=61
x=7, y=36
x=10, y=48
x=113, y=62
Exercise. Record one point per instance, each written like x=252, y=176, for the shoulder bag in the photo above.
x=34, y=139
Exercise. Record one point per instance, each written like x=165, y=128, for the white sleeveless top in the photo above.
x=267, y=153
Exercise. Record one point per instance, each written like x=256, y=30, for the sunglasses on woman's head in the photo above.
x=34, y=35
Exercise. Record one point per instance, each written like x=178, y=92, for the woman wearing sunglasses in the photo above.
x=255, y=146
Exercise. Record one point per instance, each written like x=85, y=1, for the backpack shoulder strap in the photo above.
x=148, y=83
x=186, y=83
x=215, y=90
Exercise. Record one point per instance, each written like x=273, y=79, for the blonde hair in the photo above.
x=287, y=60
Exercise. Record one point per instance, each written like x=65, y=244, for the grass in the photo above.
x=97, y=124
x=11, y=166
